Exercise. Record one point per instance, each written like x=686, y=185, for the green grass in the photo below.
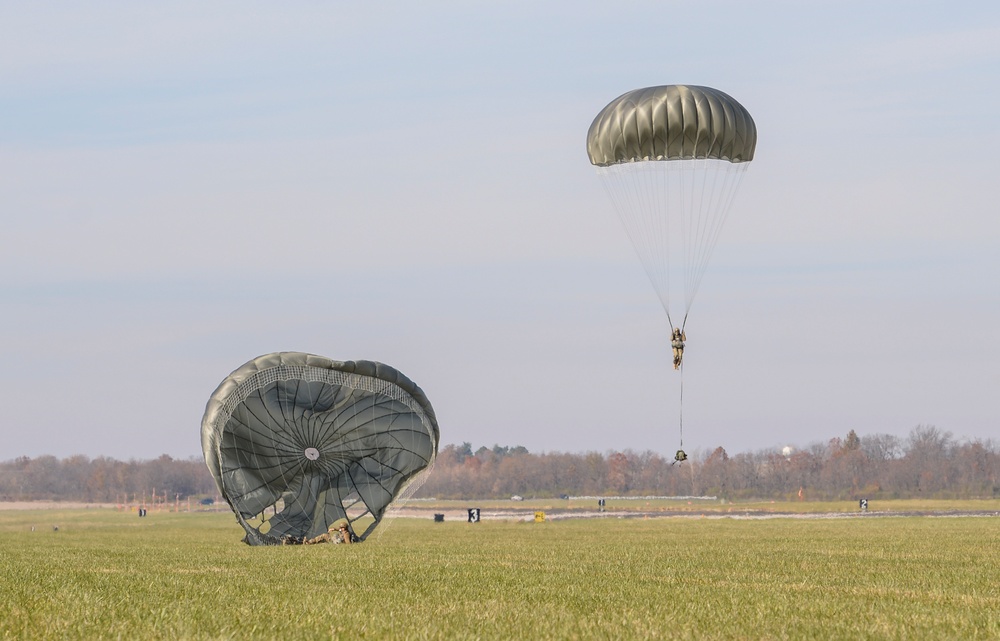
x=111, y=575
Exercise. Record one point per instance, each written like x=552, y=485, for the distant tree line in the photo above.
x=104, y=480
x=928, y=463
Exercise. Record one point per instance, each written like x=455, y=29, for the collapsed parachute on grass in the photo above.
x=672, y=159
x=296, y=442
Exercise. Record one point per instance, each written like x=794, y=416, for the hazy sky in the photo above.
x=185, y=186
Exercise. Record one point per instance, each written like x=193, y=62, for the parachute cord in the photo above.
x=682, y=407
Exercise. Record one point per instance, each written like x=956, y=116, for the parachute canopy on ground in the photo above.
x=672, y=159
x=297, y=441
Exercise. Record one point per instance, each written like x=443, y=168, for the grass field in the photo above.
x=110, y=575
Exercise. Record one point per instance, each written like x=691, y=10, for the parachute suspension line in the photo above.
x=733, y=178
x=659, y=225
x=673, y=213
x=696, y=220
x=637, y=192
x=656, y=229
x=720, y=183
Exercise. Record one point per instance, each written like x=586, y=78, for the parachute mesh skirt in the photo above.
x=296, y=442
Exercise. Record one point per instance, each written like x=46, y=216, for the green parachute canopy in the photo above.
x=672, y=159
x=671, y=122
x=296, y=442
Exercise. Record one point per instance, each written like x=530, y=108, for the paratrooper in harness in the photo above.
x=677, y=343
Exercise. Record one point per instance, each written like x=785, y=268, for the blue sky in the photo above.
x=188, y=186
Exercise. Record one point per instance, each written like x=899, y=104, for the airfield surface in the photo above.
x=800, y=574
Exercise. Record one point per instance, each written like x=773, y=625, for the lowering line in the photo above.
x=681, y=421
x=681, y=456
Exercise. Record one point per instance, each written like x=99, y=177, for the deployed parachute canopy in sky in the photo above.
x=672, y=159
x=297, y=442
